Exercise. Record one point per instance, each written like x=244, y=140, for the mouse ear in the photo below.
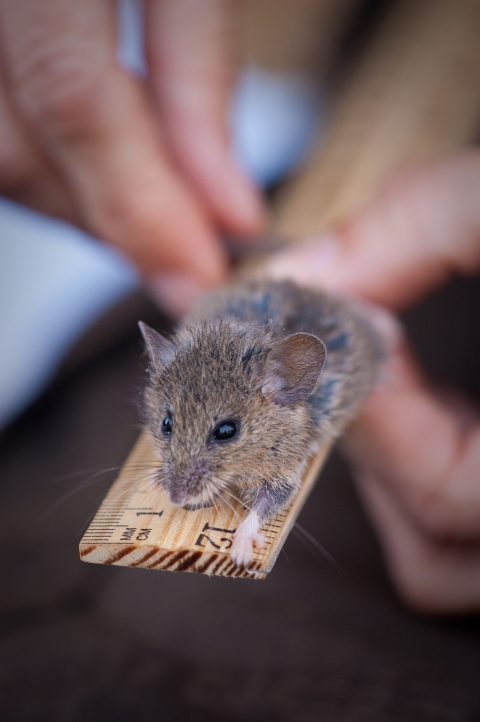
x=160, y=350
x=293, y=367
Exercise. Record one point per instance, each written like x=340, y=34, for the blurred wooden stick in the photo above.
x=414, y=96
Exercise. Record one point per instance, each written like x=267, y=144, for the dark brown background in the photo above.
x=85, y=643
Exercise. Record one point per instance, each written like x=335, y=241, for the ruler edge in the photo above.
x=310, y=477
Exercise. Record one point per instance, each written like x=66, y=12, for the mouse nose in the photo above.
x=187, y=482
x=178, y=496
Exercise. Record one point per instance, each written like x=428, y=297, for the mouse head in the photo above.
x=226, y=406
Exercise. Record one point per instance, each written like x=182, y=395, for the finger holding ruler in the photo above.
x=414, y=95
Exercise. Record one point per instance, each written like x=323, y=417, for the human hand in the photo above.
x=416, y=456
x=146, y=165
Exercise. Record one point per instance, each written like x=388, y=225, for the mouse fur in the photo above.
x=288, y=366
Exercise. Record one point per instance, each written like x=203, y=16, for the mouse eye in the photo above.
x=167, y=425
x=225, y=430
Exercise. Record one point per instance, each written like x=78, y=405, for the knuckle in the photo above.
x=58, y=87
x=126, y=219
x=413, y=563
x=445, y=514
x=125, y=215
x=427, y=579
x=434, y=514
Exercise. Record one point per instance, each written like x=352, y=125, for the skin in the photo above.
x=416, y=457
x=142, y=164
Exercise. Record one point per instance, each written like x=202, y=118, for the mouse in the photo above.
x=255, y=379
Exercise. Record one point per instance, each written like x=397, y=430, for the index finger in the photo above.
x=189, y=45
x=421, y=228
x=94, y=122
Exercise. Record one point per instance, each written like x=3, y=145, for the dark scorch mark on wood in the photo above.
x=158, y=561
x=175, y=558
x=220, y=564
x=119, y=555
x=88, y=550
x=204, y=567
x=145, y=558
x=189, y=562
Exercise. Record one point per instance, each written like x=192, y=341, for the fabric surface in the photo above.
x=81, y=643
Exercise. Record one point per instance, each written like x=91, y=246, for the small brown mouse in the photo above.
x=246, y=391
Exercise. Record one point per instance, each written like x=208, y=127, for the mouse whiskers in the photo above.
x=305, y=535
x=92, y=479
x=235, y=511
x=243, y=503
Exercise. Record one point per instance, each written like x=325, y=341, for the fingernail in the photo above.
x=313, y=261
x=175, y=293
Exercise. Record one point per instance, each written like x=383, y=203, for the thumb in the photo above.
x=423, y=226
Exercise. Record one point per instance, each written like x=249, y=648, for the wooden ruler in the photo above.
x=137, y=526
x=415, y=94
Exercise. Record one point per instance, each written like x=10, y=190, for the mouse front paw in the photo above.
x=243, y=544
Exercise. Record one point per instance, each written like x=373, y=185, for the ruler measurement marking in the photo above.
x=106, y=514
x=140, y=508
x=98, y=532
x=101, y=529
x=149, y=513
x=114, y=508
